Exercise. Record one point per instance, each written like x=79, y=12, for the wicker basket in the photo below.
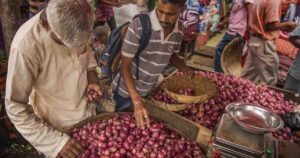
x=231, y=59
x=169, y=107
x=204, y=89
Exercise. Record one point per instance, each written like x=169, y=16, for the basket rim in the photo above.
x=223, y=66
x=191, y=99
x=177, y=107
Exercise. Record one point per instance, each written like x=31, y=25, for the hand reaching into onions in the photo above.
x=118, y=136
x=141, y=113
x=93, y=91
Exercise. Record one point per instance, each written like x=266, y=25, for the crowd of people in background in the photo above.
x=52, y=56
x=202, y=17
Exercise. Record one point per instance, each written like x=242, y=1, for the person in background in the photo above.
x=50, y=68
x=35, y=6
x=262, y=62
x=237, y=25
x=204, y=19
x=99, y=40
x=163, y=47
x=105, y=13
x=288, y=9
x=136, y=7
x=214, y=15
x=190, y=20
x=292, y=82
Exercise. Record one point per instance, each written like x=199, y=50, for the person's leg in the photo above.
x=271, y=62
x=266, y=63
x=219, y=49
x=251, y=68
x=121, y=102
x=215, y=22
x=287, y=15
x=292, y=9
x=292, y=84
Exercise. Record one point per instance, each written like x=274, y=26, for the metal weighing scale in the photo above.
x=233, y=142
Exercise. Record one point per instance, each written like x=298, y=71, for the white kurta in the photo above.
x=45, y=90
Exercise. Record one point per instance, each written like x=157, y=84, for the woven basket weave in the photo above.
x=231, y=58
x=204, y=89
x=169, y=107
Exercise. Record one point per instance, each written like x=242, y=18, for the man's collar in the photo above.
x=155, y=22
x=43, y=20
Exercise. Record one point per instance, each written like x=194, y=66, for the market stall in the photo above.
x=212, y=113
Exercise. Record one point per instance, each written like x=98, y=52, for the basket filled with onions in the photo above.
x=161, y=99
x=189, y=88
x=116, y=135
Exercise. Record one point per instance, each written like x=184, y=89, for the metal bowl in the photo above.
x=254, y=119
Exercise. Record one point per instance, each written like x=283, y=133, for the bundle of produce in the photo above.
x=119, y=136
x=233, y=89
x=286, y=48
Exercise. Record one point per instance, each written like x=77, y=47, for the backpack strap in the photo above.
x=144, y=40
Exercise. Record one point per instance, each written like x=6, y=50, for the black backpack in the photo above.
x=112, y=53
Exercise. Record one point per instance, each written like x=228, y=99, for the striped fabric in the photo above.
x=154, y=58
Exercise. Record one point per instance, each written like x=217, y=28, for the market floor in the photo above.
x=203, y=57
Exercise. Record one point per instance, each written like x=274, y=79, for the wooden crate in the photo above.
x=200, y=134
x=175, y=122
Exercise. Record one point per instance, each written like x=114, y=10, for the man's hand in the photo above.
x=71, y=149
x=141, y=114
x=289, y=26
x=93, y=91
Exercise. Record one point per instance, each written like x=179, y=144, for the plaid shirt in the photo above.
x=104, y=12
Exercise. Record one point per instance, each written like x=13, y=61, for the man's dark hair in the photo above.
x=180, y=3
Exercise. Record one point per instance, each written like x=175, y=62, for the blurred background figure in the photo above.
x=36, y=6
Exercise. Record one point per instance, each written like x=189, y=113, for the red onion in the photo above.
x=117, y=142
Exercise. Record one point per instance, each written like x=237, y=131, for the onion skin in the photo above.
x=109, y=138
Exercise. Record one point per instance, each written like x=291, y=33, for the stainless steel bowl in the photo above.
x=254, y=119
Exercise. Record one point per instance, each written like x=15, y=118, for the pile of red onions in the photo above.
x=286, y=134
x=119, y=137
x=233, y=89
